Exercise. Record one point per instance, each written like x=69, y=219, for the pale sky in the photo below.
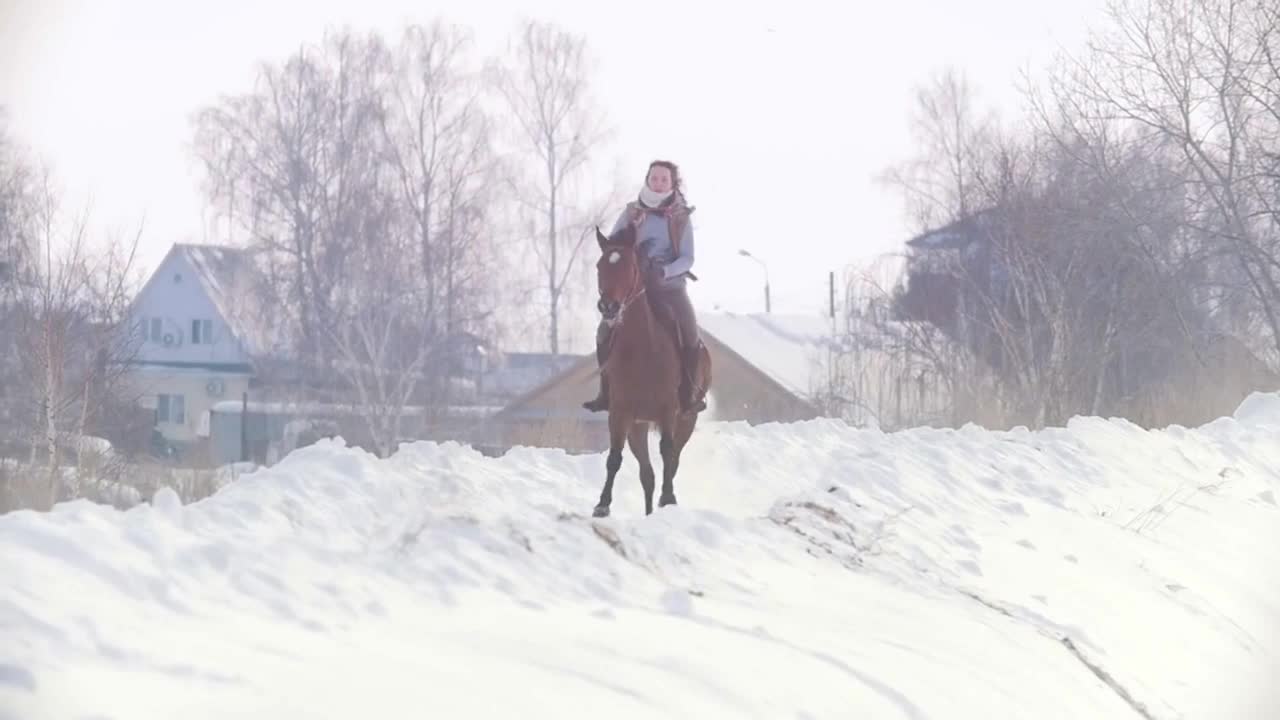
x=780, y=114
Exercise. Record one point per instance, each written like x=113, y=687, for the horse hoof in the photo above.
x=600, y=511
x=666, y=500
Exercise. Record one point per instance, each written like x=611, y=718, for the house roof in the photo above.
x=953, y=235
x=516, y=373
x=788, y=350
x=228, y=277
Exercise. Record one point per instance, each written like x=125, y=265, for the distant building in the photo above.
x=199, y=337
x=765, y=368
x=955, y=275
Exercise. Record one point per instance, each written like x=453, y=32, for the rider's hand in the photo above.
x=656, y=274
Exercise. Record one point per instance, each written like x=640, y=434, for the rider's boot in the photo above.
x=689, y=364
x=601, y=401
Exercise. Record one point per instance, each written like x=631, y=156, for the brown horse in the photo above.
x=642, y=370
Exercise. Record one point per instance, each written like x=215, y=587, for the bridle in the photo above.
x=638, y=290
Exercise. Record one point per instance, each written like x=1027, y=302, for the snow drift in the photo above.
x=810, y=571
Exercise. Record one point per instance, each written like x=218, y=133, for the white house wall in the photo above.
x=176, y=297
x=199, y=389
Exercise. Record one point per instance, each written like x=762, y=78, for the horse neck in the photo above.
x=637, y=323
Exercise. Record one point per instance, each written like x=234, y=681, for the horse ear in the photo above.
x=600, y=238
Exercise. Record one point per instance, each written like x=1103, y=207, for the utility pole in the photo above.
x=831, y=293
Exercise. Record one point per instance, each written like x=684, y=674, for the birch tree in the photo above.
x=544, y=84
x=72, y=334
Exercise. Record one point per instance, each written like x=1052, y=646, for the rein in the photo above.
x=617, y=320
x=622, y=309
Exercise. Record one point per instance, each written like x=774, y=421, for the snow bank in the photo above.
x=811, y=571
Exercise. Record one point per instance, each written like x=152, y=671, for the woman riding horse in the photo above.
x=665, y=237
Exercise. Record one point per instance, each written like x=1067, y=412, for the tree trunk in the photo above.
x=51, y=424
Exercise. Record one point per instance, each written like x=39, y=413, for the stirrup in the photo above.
x=698, y=406
x=692, y=404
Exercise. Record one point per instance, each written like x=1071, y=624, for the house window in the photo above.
x=201, y=332
x=171, y=409
x=157, y=330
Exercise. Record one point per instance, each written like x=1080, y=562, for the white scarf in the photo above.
x=653, y=199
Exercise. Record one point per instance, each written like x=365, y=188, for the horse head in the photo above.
x=619, y=272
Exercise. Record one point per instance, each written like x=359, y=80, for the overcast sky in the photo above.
x=781, y=114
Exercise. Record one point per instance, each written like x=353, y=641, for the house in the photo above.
x=198, y=339
x=481, y=379
x=765, y=368
x=1165, y=366
x=512, y=374
x=948, y=271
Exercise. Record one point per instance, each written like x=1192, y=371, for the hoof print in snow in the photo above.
x=610, y=538
x=1175, y=587
x=521, y=539
x=1267, y=496
x=1071, y=559
x=1026, y=544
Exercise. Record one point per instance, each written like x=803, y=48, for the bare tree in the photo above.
x=17, y=205
x=438, y=136
x=296, y=160
x=544, y=83
x=1199, y=79
x=363, y=175
x=952, y=132
x=17, y=181
x=888, y=369
x=1062, y=283
x=383, y=351
x=74, y=335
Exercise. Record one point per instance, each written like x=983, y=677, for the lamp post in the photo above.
x=745, y=254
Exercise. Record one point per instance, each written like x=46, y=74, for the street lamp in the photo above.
x=746, y=254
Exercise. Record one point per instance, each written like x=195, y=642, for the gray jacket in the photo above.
x=653, y=238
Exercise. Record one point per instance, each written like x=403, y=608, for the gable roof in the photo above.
x=956, y=234
x=789, y=351
x=228, y=278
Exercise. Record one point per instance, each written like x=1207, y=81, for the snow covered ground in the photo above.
x=811, y=571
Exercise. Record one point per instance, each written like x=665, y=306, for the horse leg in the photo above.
x=638, y=439
x=684, y=431
x=672, y=446
x=617, y=436
x=670, y=462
